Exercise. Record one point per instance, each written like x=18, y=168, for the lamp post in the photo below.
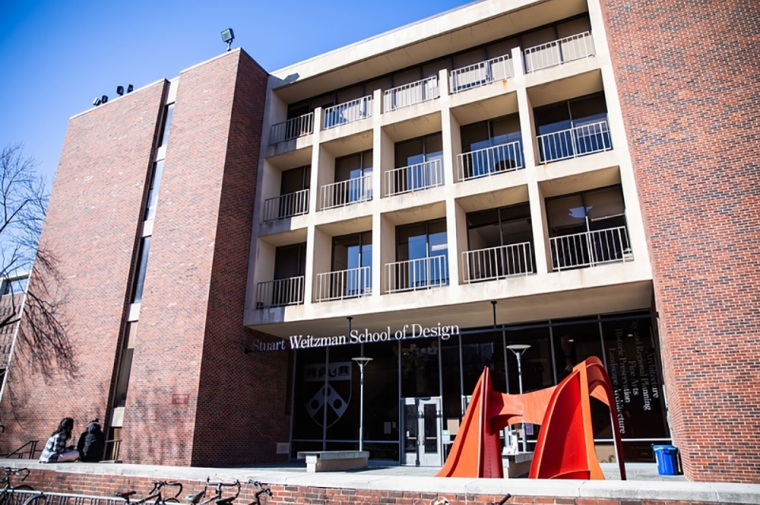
x=518, y=350
x=362, y=362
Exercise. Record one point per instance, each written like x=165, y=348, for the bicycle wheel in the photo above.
x=19, y=498
x=38, y=499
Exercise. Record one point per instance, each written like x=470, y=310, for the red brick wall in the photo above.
x=689, y=83
x=106, y=485
x=242, y=398
x=91, y=227
x=190, y=334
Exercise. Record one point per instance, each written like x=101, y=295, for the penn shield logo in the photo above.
x=328, y=391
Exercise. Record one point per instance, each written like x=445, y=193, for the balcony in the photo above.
x=480, y=74
x=418, y=274
x=344, y=284
x=490, y=161
x=574, y=142
x=416, y=177
x=348, y=112
x=280, y=293
x=411, y=94
x=497, y=262
x=558, y=52
x=285, y=206
x=292, y=129
x=590, y=249
x=340, y=194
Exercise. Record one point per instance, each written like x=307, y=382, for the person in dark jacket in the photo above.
x=92, y=443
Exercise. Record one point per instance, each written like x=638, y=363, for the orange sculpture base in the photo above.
x=565, y=447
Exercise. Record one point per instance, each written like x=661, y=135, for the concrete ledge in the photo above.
x=333, y=461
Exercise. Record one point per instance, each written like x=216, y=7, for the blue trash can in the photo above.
x=667, y=459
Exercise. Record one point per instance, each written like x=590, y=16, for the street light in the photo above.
x=362, y=362
x=518, y=350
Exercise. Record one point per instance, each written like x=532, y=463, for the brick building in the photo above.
x=577, y=176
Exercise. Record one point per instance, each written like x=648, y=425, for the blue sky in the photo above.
x=57, y=56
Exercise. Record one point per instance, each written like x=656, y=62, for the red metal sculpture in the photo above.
x=565, y=447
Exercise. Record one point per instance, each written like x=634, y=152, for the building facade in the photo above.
x=509, y=172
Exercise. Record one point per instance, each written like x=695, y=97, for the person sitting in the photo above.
x=92, y=443
x=55, y=450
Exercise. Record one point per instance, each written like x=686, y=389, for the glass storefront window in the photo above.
x=381, y=393
x=419, y=368
x=308, y=401
x=536, y=361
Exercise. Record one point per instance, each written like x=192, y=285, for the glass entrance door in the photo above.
x=422, y=431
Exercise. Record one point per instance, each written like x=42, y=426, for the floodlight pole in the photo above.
x=362, y=362
x=518, y=350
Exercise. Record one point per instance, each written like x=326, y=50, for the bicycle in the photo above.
x=195, y=499
x=263, y=491
x=6, y=493
x=155, y=496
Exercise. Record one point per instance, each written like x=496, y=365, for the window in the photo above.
x=155, y=185
x=142, y=266
x=356, y=169
x=418, y=165
x=15, y=286
x=573, y=128
x=482, y=140
x=499, y=243
x=423, y=252
x=588, y=228
x=168, y=112
x=352, y=254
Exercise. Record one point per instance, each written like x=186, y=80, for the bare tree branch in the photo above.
x=43, y=329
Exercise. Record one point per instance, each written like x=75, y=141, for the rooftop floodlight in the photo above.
x=228, y=36
x=104, y=99
x=96, y=102
x=119, y=90
x=130, y=88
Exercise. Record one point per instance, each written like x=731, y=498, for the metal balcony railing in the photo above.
x=490, y=161
x=280, y=292
x=560, y=51
x=410, y=94
x=413, y=275
x=340, y=194
x=292, y=129
x=497, y=262
x=288, y=205
x=480, y=74
x=578, y=141
x=351, y=283
x=348, y=112
x=590, y=248
x=414, y=178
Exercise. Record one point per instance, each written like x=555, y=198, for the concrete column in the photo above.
x=456, y=238
x=316, y=165
x=377, y=150
x=527, y=128
x=539, y=227
x=377, y=244
x=318, y=249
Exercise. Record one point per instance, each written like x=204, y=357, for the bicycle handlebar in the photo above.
x=158, y=484
x=16, y=471
x=504, y=500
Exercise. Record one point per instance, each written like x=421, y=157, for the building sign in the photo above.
x=633, y=373
x=365, y=336
x=180, y=399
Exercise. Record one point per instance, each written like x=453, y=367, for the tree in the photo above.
x=23, y=203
